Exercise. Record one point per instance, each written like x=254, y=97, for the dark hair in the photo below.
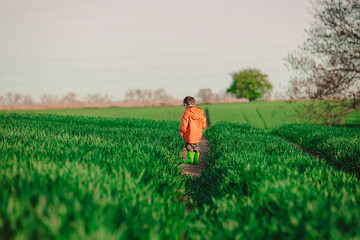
x=189, y=100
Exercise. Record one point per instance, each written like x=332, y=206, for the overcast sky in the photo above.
x=110, y=46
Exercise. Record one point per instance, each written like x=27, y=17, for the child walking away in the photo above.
x=192, y=124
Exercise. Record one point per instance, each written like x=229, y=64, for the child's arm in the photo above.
x=184, y=124
x=203, y=123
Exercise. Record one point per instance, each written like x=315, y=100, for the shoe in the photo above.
x=196, y=158
x=190, y=158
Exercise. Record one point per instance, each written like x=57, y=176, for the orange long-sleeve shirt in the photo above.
x=192, y=124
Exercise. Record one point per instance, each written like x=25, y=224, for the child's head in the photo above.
x=189, y=101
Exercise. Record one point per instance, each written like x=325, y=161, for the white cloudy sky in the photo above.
x=110, y=46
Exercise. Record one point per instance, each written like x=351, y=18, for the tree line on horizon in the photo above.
x=205, y=95
x=71, y=97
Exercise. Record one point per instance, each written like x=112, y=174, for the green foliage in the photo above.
x=249, y=83
x=259, y=186
x=69, y=177
x=340, y=146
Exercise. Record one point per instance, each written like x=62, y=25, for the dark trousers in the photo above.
x=192, y=147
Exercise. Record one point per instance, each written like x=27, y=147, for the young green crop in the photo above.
x=74, y=177
x=154, y=113
x=105, y=178
x=340, y=146
x=259, y=186
x=265, y=115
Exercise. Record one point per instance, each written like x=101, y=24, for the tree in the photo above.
x=48, y=99
x=97, y=98
x=160, y=95
x=70, y=97
x=2, y=100
x=205, y=94
x=327, y=66
x=249, y=83
x=147, y=95
x=27, y=99
x=13, y=98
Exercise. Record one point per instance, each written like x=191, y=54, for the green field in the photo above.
x=340, y=146
x=154, y=113
x=98, y=174
x=262, y=187
x=265, y=115
x=76, y=177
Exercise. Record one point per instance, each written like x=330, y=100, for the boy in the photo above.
x=192, y=124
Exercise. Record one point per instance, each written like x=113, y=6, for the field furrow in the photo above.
x=340, y=146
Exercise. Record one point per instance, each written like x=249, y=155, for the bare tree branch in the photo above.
x=327, y=66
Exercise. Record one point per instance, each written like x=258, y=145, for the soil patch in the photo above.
x=196, y=169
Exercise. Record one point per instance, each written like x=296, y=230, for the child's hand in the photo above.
x=180, y=134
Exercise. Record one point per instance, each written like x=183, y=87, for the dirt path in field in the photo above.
x=192, y=169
